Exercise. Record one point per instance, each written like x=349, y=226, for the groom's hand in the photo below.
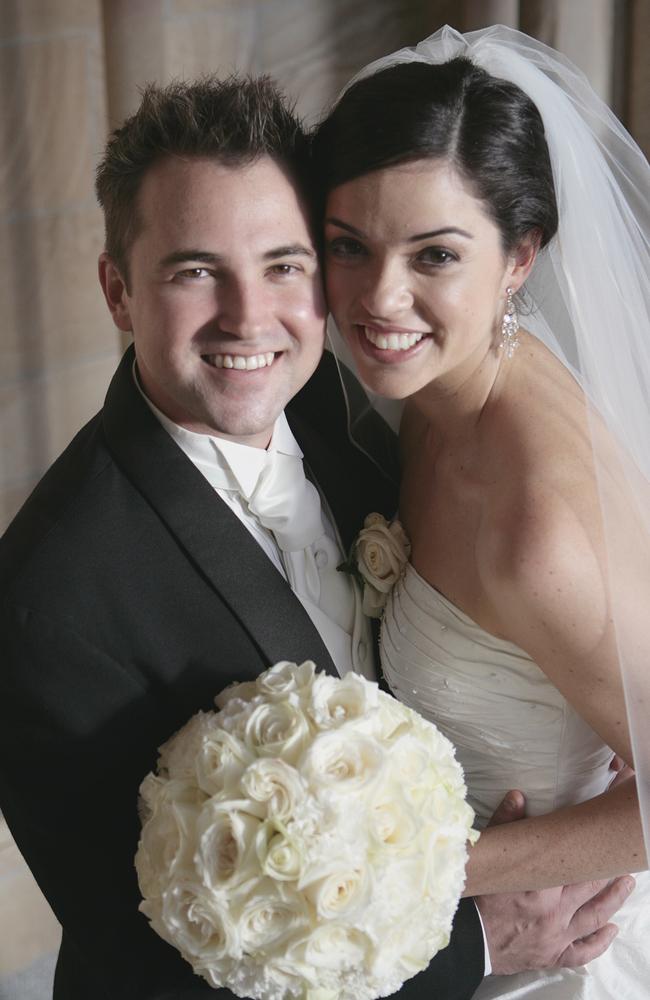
x=565, y=926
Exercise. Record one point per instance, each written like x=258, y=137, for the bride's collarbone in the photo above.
x=455, y=480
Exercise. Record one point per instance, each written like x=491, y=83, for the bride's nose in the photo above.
x=385, y=291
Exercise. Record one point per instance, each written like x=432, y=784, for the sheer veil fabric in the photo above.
x=588, y=300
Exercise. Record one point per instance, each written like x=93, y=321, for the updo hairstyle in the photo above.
x=487, y=128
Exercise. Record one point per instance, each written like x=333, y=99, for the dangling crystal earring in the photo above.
x=509, y=326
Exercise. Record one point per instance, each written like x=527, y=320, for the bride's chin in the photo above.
x=385, y=384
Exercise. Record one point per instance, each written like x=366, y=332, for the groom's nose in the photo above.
x=243, y=308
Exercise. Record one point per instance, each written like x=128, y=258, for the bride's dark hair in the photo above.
x=487, y=128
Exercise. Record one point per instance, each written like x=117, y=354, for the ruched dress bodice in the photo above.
x=512, y=729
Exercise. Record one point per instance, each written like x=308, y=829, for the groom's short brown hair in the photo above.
x=235, y=120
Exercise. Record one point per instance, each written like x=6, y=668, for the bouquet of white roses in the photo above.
x=308, y=840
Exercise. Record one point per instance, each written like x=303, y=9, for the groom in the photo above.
x=181, y=543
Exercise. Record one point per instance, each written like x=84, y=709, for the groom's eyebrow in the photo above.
x=208, y=257
x=182, y=256
x=289, y=250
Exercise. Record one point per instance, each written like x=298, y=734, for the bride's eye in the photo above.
x=438, y=256
x=345, y=247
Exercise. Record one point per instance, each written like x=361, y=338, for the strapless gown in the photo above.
x=512, y=729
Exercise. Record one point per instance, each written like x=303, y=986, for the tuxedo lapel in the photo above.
x=213, y=538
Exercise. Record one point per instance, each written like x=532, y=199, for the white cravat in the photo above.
x=286, y=503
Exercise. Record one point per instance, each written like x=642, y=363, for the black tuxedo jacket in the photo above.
x=130, y=595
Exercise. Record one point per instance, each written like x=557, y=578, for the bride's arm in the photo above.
x=597, y=839
x=545, y=576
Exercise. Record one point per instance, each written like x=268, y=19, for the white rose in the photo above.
x=334, y=701
x=281, y=857
x=235, y=714
x=339, y=894
x=442, y=805
x=177, y=755
x=343, y=761
x=392, y=822
x=168, y=834
x=194, y=921
x=277, y=730
x=225, y=852
x=277, y=784
x=393, y=719
x=410, y=760
x=243, y=692
x=286, y=678
x=335, y=946
x=220, y=761
x=269, y=916
x=382, y=551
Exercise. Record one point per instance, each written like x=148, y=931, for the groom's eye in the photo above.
x=193, y=272
x=284, y=269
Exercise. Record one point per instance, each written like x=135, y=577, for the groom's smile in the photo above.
x=224, y=298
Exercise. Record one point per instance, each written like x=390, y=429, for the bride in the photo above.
x=464, y=178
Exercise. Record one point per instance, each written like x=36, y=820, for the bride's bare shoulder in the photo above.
x=543, y=409
x=542, y=511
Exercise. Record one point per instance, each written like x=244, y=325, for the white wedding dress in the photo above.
x=512, y=729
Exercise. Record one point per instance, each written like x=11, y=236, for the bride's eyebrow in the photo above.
x=444, y=231
x=344, y=225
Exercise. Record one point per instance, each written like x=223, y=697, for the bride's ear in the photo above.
x=522, y=258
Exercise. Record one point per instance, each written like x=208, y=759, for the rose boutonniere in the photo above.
x=377, y=560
